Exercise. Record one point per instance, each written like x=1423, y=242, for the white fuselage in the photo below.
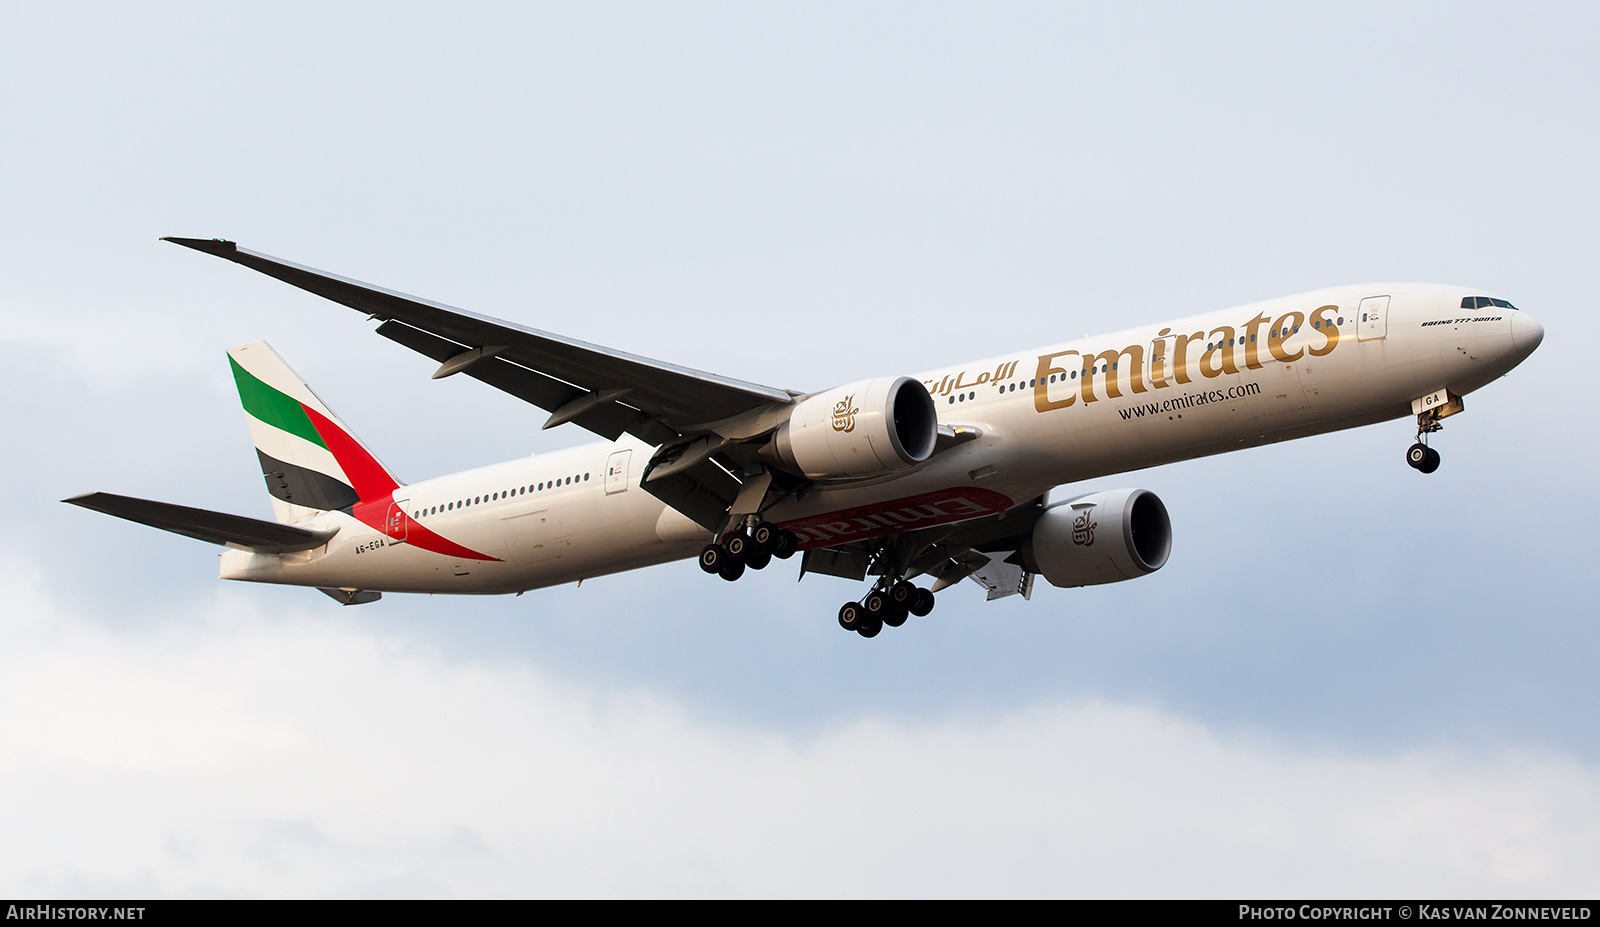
x=1226, y=380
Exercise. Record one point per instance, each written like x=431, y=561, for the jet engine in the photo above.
x=1103, y=537
x=863, y=429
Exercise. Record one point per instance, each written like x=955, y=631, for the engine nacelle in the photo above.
x=866, y=428
x=1103, y=537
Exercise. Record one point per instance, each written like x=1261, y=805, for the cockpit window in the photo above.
x=1484, y=302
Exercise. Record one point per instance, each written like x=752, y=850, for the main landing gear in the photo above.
x=752, y=547
x=888, y=604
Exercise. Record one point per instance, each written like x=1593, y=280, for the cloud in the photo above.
x=233, y=752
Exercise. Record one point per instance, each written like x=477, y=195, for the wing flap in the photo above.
x=268, y=537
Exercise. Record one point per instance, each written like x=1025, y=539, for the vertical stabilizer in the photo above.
x=311, y=461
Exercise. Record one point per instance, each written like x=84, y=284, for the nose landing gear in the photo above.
x=1429, y=410
x=1420, y=456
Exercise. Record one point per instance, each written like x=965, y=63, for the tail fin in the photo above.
x=311, y=461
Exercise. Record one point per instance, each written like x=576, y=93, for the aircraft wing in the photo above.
x=268, y=537
x=608, y=392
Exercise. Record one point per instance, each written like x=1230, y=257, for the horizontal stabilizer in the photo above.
x=267, y=537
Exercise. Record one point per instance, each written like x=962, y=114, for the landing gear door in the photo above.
x=617, y=471
x=1372, y=318
x=395, y=525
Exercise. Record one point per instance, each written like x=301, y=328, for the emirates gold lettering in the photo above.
x=1112, y=365
x=1041, y=387
x=1180, y=356
x=1251, y=330
x=1282, y=330
x=1218, y=358
x=1321, y=325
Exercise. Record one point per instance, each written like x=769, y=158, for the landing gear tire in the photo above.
x=922, y=603
x=757, y=560
x=713, y=558
x=1422, y=458
x=763, y=537
x=876, y=604
x=851, y=616
x=870, y=627
x=737, y=546
x=732, y=571
x=787, y=544
x=900, y=597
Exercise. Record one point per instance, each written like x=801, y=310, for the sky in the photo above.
x=1350, y=679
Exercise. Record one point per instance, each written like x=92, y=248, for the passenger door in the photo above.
x=617, y=471
x=1372, y=318
x=395, y=525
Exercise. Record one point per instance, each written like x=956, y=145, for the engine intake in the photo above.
x=1103, y=537
x=863, y=429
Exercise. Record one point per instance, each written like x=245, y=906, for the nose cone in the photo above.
x=1526, y=333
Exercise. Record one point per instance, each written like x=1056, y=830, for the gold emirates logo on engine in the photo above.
x=844, y=414
x=1083, y=529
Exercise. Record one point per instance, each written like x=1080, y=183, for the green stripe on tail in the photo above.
x=272, y=407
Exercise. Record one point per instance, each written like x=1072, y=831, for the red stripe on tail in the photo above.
x=367, y=476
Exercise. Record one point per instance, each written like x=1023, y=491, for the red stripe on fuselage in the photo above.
x=375, y=515
x=376, y=488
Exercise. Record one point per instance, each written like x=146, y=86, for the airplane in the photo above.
x=944, y=474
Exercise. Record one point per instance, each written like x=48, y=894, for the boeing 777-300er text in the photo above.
x=943, y=474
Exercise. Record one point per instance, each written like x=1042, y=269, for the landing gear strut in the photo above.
x=1420, y=456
